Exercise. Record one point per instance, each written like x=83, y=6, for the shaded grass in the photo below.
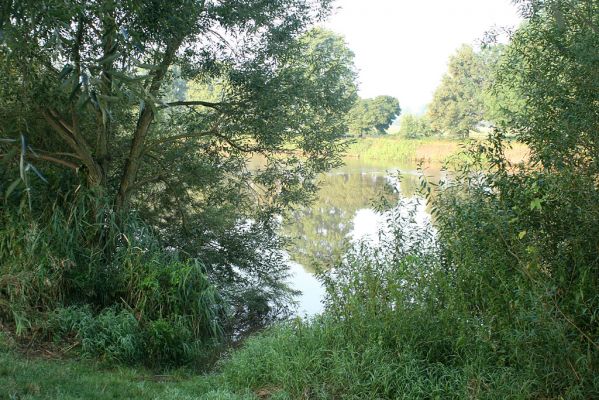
x=40, y=378
x=316, y=360
x=324, y=360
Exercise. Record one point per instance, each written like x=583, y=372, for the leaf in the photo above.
x=37, y=172
x=22, y=157
x=521, y=235
x=12, y=187
x=127, y=78
x=535, y=204
x=8, y=157
x=65, y=71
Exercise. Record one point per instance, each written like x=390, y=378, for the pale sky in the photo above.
x=402, y=46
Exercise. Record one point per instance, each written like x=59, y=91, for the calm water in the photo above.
x=344, y=213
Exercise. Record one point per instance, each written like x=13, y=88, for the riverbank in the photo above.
x=393, y=148
x=44, y=377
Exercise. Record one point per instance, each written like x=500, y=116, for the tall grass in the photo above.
x=386, y=333
x=71, y=273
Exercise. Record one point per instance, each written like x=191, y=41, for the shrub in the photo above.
x=493, y=302
x=523, y=244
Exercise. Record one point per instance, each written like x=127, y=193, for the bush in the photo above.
x=493, y=302
x=523, y=243
x=116, y=335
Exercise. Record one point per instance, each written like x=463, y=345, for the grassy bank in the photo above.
x=47, y=376
x=393, y=148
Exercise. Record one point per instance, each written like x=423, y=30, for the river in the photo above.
x=344, y=213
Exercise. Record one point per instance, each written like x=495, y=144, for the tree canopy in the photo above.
x=459, y=102
x=551, y=67
x=414, y=126
x=153, y=109
x=373, y=115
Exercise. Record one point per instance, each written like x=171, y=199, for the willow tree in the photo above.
x=94, y=94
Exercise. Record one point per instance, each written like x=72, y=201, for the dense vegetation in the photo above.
x=499, y=298
x=129, y=217
x=496, y=298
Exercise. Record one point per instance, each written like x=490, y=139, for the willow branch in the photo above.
x=181, y=136
x=54, y=160
x=75, y=140
x=45, y=157
x=191, y=103
x=146, y=117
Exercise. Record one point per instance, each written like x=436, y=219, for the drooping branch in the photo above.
x=51, y=157
x=237, y=146
x=54, y=160
x=181, y=136
x=76, y=142
x=192, y=103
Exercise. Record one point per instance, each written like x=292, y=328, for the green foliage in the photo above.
x=125, y=137
x=500, y=299
x=373, y=115
x=413, y=126
x=145, y=306
x=113, y=335
x=552, y=65
x=458, y=103
x=523, y=250
x=385, y=334
x=497, y=300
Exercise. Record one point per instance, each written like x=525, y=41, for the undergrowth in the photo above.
x=68, y=274
x=497, y=301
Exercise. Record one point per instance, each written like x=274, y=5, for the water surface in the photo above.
x=345, y=212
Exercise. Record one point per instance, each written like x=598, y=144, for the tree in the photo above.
x=373, y=115
x=414, y=126
x=551, y=66
x=457, y=105
x=95, y=95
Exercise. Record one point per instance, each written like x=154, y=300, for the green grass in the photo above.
x=319, y=360
x=393, y=148
x=39, y=378
x=398, y=149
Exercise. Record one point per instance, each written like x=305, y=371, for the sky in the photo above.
x=402, y=46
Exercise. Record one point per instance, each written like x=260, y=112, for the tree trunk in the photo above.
x=146, y=117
